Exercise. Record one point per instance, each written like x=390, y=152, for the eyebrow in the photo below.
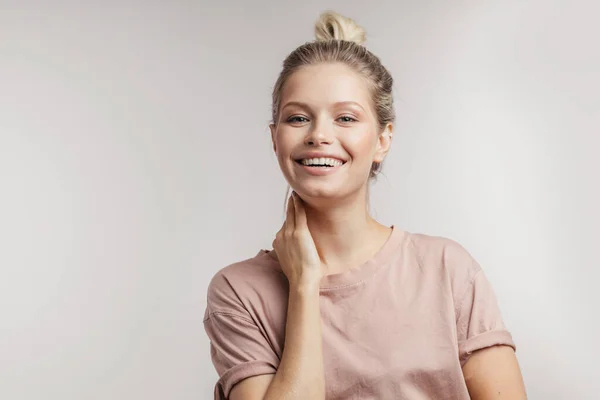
x=339, y=103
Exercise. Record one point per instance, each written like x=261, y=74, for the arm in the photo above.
x=494, y=373
x=486, y=348
x=300, y=374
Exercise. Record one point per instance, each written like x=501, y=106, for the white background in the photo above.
x=135, y=162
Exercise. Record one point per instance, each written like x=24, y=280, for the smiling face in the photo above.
x=326, y=136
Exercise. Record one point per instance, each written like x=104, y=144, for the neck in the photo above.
x=345, y=235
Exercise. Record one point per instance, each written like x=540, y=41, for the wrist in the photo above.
x=305, y=286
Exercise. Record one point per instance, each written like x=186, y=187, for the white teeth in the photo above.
x=332, y=162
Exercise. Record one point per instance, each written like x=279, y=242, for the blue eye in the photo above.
x=297, y=118
x=347, y=118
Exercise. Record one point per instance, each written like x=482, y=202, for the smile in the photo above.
x=321, y=162
x=320, y=166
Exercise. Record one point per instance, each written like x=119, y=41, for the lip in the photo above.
x=318, y=171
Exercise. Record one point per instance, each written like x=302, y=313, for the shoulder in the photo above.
x=447, y=256
x=236, y=287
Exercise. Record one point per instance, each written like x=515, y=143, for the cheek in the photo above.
x=284, y=147
x=361, y=144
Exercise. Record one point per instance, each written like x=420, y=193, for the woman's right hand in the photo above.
x=295, y=247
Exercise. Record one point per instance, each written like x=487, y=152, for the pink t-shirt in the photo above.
x=401, y=326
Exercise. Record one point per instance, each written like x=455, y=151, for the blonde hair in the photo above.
x=340, y=39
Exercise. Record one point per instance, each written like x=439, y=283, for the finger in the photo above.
x=275, y=246
x=278, y=236
x=290, y=219
x=300, y=212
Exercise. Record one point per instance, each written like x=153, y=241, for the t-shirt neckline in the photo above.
x=359, y=274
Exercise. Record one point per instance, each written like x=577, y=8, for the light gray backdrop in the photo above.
x=135, y=162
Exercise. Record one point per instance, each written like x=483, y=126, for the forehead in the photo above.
x=325, y=84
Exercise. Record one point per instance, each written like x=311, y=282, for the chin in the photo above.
x=320, y=194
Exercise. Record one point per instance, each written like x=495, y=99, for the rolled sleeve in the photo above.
x=238, y=351
x=479, y=320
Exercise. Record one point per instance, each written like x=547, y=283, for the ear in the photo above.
x=273, y=129
x=384, y=142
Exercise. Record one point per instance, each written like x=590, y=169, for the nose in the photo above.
x=318, y=135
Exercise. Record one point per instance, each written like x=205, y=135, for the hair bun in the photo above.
x=333, y=26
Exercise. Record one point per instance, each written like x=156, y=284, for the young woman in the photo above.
x=344, y=307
